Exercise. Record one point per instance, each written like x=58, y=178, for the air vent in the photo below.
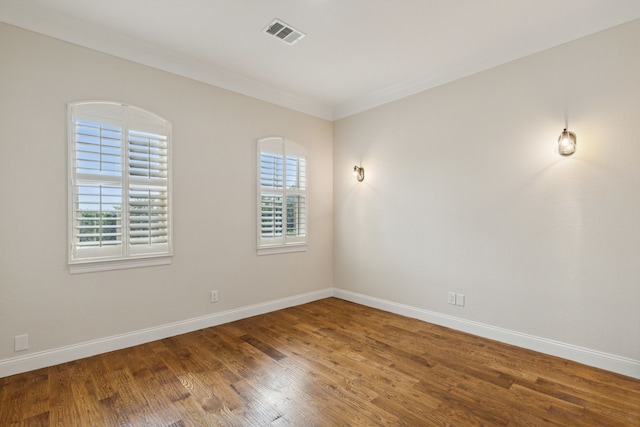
x=284, y=32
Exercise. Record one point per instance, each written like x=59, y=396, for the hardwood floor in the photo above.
x=326, y=363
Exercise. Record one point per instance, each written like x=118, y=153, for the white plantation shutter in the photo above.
x=98, y=216
x=296, y=190
x=271, y=170
x=119, y=183
x=282, y=195
x=98, y=148
x=270, y=216
x=148, y=188
x=148, y=216
x=147, y=155
x=271, y=177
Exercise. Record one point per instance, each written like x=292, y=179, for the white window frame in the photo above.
x=141, y=187
x=284, y=242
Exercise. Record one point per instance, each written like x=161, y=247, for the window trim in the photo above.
x=127, y=257
x=283, y=245
x=92, y=266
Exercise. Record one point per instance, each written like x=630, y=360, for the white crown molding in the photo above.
x=454, y=72
x=72, y=31
x=609, y=362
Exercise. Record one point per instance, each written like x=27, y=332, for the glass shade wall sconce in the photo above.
x=567, y=143
x=358, y=172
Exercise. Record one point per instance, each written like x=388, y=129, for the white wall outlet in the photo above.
x=460, y=300
x=451, y=298
x=21, y=342
x=214, y=296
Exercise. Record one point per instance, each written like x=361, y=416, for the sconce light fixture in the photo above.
x=567, y=143
x=358, y=172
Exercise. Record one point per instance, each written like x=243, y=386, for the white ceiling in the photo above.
x=357, y=54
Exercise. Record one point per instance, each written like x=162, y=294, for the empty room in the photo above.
x=319, y=213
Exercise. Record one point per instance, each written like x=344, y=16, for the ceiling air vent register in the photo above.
x=284, y=32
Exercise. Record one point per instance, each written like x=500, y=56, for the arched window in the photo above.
x=282, y=196
x=119, y=187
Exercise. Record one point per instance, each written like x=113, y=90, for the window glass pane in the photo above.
x=296, y=172
x=271, y=170
x=270, y=215
x=98, y=215
x=296, y=215
x=98, y=149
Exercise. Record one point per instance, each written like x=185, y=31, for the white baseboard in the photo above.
x=43, y=359
x=32, y=361
x=609, y=362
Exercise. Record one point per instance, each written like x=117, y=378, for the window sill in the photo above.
x=272, y=250
x=118, y=264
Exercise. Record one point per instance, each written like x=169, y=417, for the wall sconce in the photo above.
x=358, y=172
x=567, y=143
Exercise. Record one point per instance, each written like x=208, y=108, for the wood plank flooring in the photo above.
x=326, y=363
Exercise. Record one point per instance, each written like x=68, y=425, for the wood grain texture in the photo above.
x=326, y=363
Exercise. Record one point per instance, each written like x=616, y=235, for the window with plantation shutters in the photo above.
x=282, y=196
x=119, y=187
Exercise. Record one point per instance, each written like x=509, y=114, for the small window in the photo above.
x=282, y=196
x=119, y=194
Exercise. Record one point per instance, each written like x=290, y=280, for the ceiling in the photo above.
x=357, y=54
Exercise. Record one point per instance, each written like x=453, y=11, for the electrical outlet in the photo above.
x=214, y=296
x=451, y=298
x=460, y=300
x=21, y=342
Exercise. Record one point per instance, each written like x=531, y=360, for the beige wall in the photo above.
x=465, y=193
x=214, y=137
